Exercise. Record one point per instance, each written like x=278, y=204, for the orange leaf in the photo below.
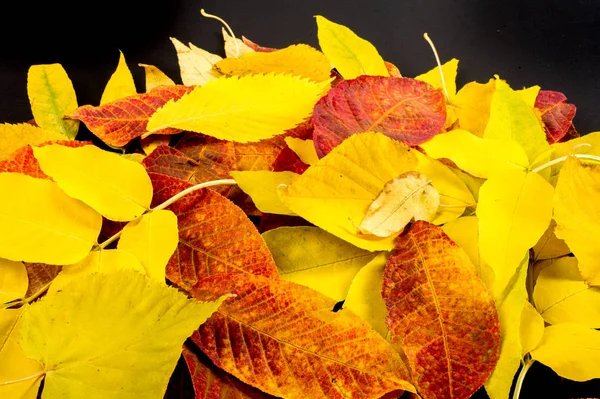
x=404, y=109
x=120, y=121
x=215, y=236
x=440, y=313
x=284, y=339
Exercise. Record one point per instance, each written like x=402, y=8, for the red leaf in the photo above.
x=288, y=160
x=257, y=47
x=402, y=108
x=120, y=121
x=440, y=313
x=557, y=115
x=215, y=236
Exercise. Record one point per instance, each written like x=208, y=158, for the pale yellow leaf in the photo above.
x=233, y=50
x=514, y=210
x=110, y=336
x=305, y=149
x=20, y=377
x=52, y=96
x=250, y=108
x=314, y=258
x=351, y=55
x=13, y=280
x=472, y=104
x=407, y=197
x=577, y=215
x=97, y=261
x=364, y=295
x=120, y=84
x=532, y=328
x=195, y=64
x=40, y=223
x=155, y=77
x=261, y=186
x=152, y=238
x=512, y=119
x=119, y=189
x=549, y=245
x=336, y=192
x=449, y=69
x=13, y=137
x=478, y=156
x=529, y=95
x=571, y=350
x=455, y=196
x=562, y=296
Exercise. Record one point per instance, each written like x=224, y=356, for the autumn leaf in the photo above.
x=529, y=95
x=305, y=149
x=261, y=186
x=314, y=258
x=195, y=64
x=351, y=55
x=251, y=45
x=215, y=236
x=250, y=108
x=532, y=328
x=64, y=228
x=13, y=280
x=473, y=102
x=440, y=313
x=404, y=109
x=298, y=60
x=155, y=77
x=449, y=69
x=576, y=213
x=307, y=341
x=549, y=246
x=40, y=275
x=234, y=47
x=557, y=115
x=129, y=334
x=288, y=160
x=407, y=197
x=119, y=122
x=120, y=84
x=151, y=143
x=14, y=137
x=336, y=192
x=117, y=188
x=52, y=96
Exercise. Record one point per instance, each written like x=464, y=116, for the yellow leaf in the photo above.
x=336, y=192
x=110, y=336
x=472, y=104
x=561, y=295
x=195, y=64
x=407, y=197
x=52, y=96
x=364, y=295
x=449, y=69
x=231, y=49
x=13, y=280
x=577, y=217
x=155, y=77
x=305, y=149
x=298, y=60
x=97, y=261
x=509, y=305
x=473, y=183
x=529, y=95
x=532, y=328
x=134, y=157
x=512, y=119
x=250, y=108
x=40, y=223
x=13, y=137
x=261, y=186
x=20, y=377
x=152, y=238
x=514, y=210
x=455, y=196
x=351, y=55
x=312, y=257
x=571, y=350
x=477, y=156
x=119, y=189
x=549, y=245
x=588, y=144
x=120, y=84
x=150, y=143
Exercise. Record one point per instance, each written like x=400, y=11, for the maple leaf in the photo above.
x=120, y=84
x=557, y=115
x=405, y=109
x=119, y=122
x=440, y=313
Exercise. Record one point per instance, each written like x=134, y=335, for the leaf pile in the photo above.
x=404, y=236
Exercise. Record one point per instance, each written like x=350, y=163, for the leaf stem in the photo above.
x=519, y=385
x=221, y=20
x=439, y=64
x=564, y=158
x=40, y=374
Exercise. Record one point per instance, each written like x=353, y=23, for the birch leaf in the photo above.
x=120, y=84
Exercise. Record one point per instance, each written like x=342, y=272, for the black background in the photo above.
x=552, y=43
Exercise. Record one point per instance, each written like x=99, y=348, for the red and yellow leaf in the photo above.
x=557, y=115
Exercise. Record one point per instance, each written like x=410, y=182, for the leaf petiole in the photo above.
x=519, y=385
x=439, y=64
x=221, y=20
x=31, y=377
x=564, y=158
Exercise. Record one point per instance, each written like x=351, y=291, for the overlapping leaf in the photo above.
x=195, y=64
x=155, y=77
x=120, y=84
x=13, y=280
x=557, y=115
x=17, y=136
x=262, y=185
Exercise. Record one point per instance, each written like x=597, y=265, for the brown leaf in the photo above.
x=557, y=115
x=120, y=121
x=211, y=383
x=440, y=313
x=404, y=109
x=39, y=275
x=284, y=339
x=215, y=236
